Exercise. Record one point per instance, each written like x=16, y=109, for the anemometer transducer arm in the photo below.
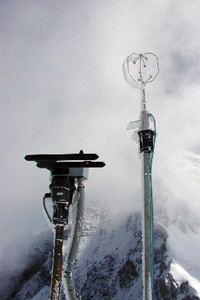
x=68, y=174
x=136, y=74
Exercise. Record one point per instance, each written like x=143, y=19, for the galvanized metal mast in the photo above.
x=146, y=146
x=147, y=140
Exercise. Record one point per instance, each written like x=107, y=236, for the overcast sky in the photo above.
x=62, y=90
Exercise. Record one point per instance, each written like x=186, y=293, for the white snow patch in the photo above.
x=184, y=248
x=177, y=205
x=181, y=275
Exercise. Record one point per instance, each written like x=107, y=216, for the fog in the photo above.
x=62, y=90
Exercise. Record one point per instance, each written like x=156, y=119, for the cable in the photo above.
x=47, y=195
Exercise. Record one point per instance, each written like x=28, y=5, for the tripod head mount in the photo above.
x=70, y=165
x=65, y=169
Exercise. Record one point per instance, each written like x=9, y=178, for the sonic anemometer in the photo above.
x=136, y=69
x=136, y=73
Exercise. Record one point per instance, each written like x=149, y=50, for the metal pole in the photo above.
x=56, y=280
x=147, y=140
x=78, y=212
x=148, y=222
x=147, y=256
x=62, y=191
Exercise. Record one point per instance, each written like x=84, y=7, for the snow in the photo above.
x=184, y=248
x=181, y=275
x=112, y=240
x=44, y=293
x=177, y=205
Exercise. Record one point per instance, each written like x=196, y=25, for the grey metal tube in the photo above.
x=148, y=223
x=78, y=212
x=56, y=279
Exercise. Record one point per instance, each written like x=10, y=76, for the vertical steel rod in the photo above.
x=56, y=281
x=148, y=255
x=148, y=222
x=75, y=240
x=147, y=140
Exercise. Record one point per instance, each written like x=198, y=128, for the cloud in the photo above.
x=63, y=90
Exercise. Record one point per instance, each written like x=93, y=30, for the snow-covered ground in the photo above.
x=177, y=195
x=181, y=275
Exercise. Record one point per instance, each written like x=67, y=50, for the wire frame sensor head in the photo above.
x=140, y=69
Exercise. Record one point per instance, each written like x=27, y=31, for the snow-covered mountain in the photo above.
x=109, y=264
